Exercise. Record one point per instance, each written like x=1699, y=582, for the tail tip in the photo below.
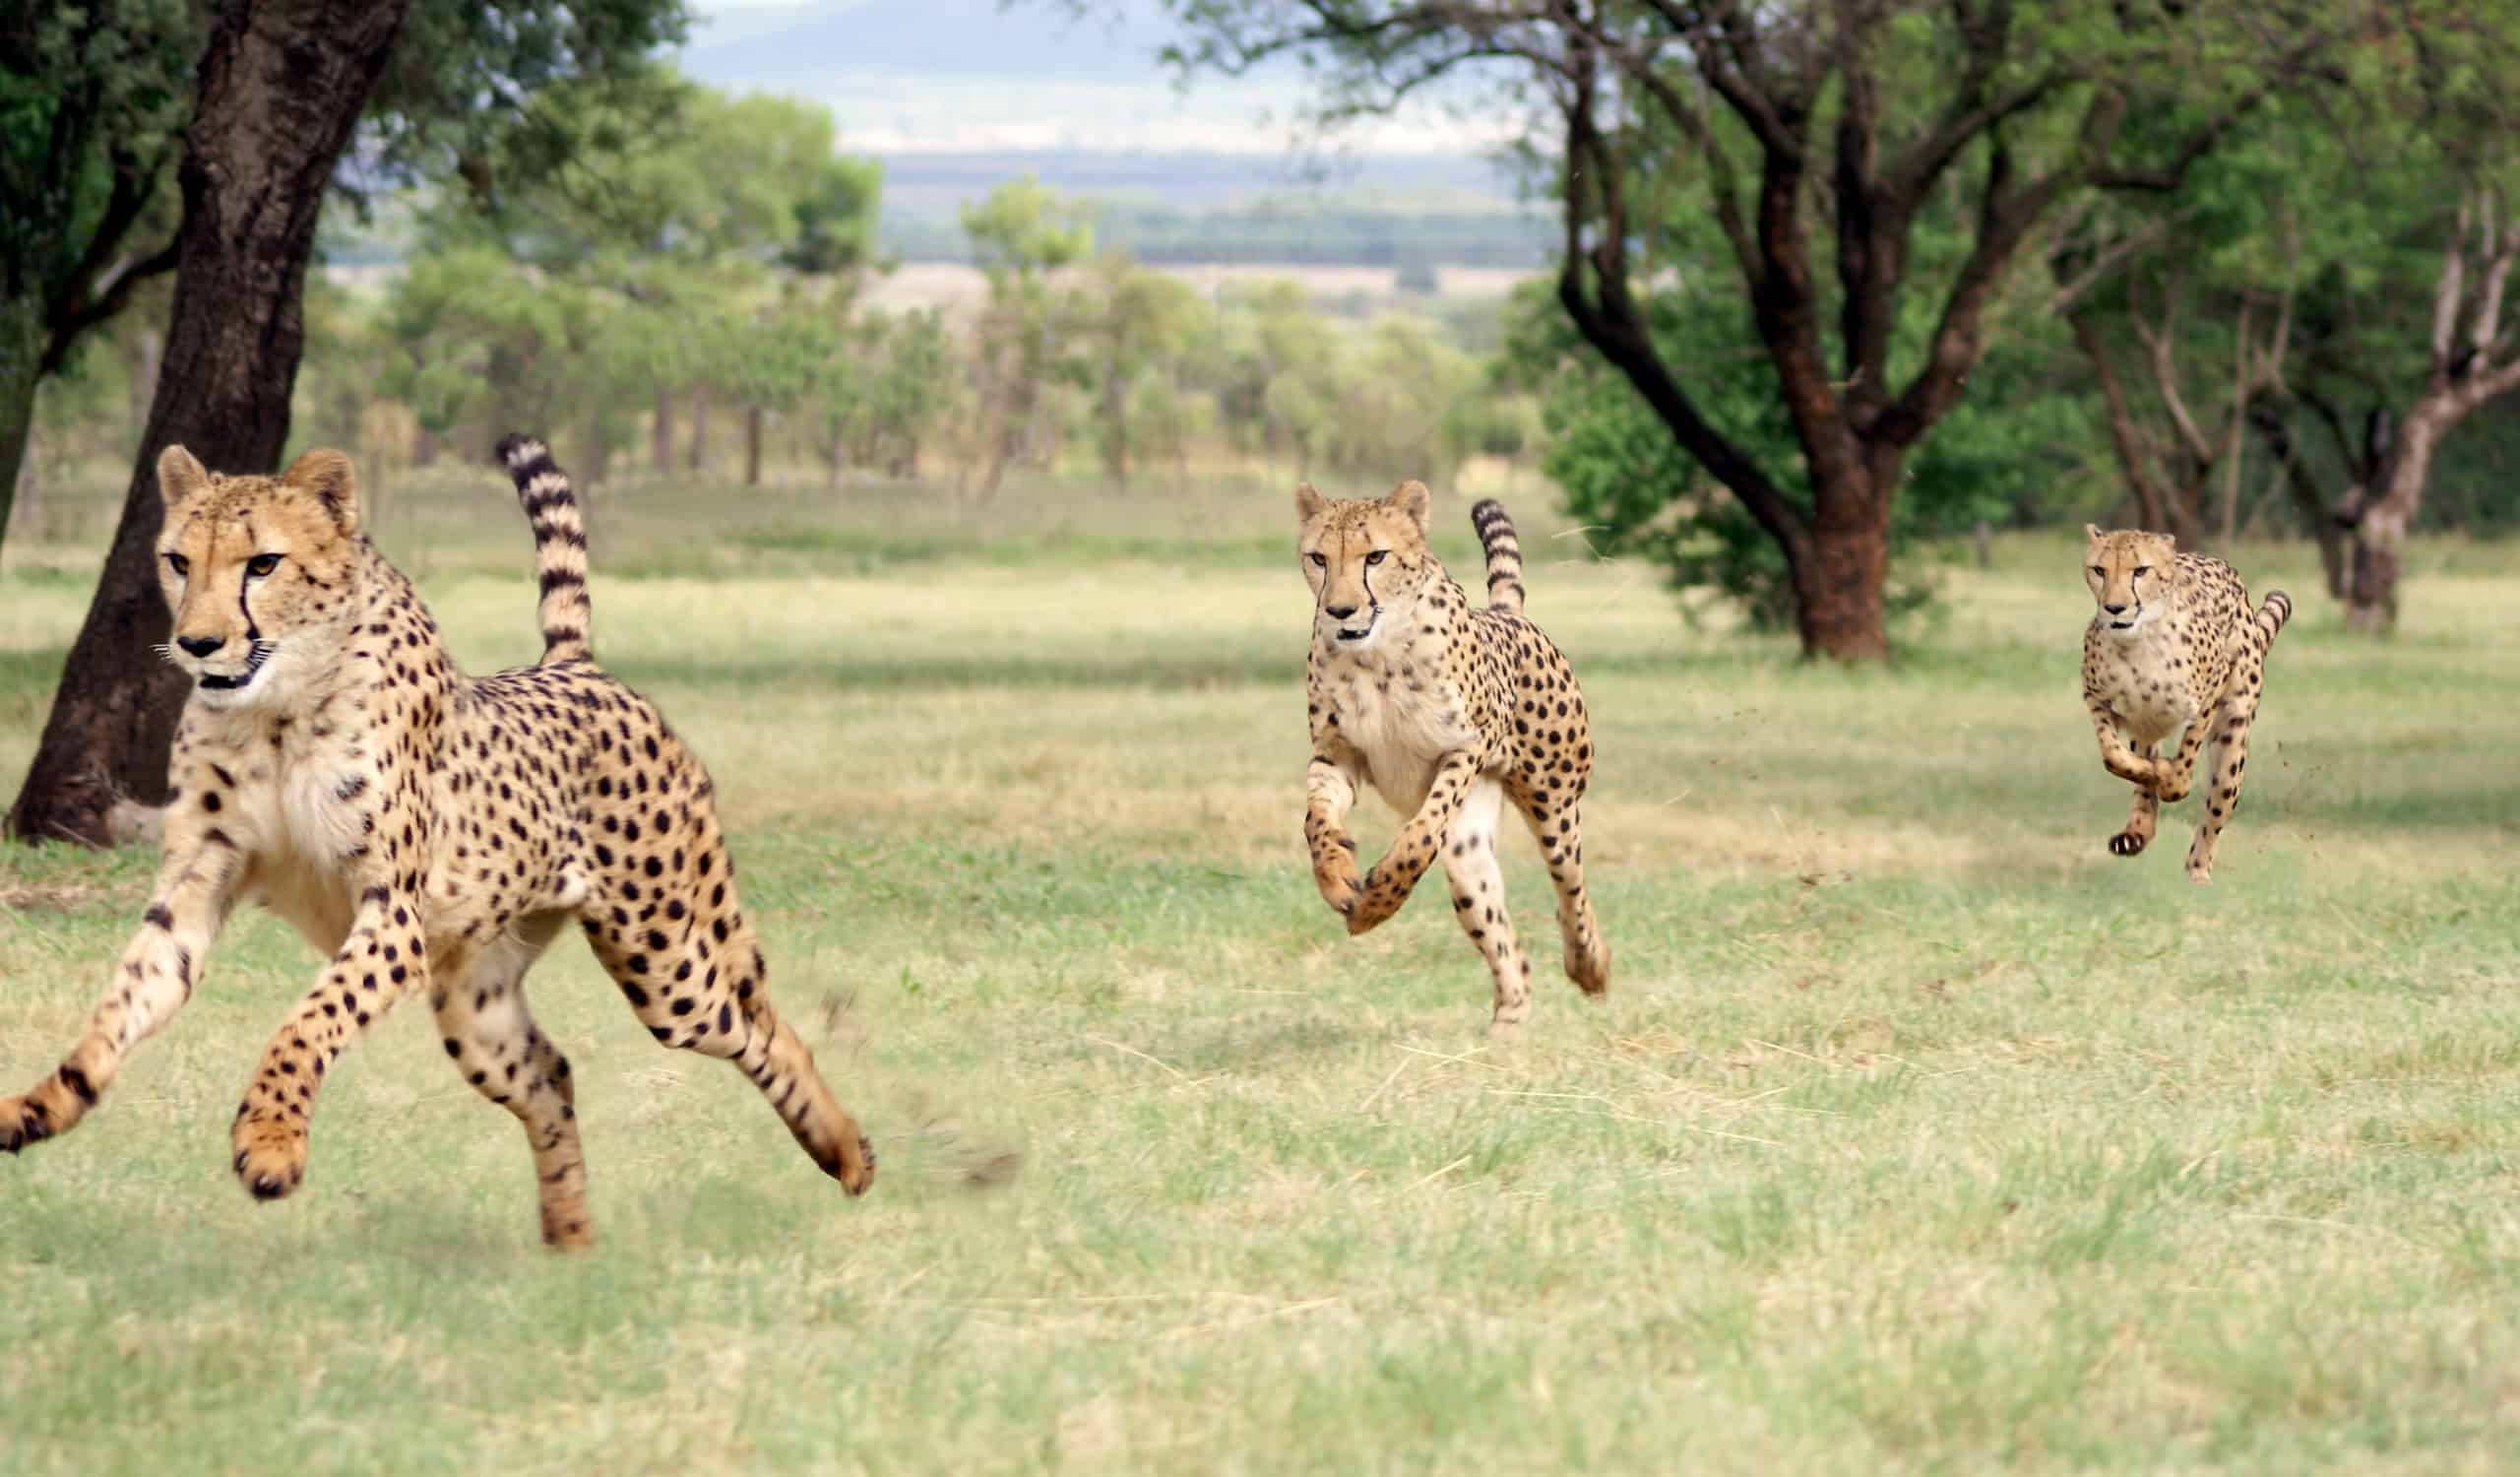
x=521, y=451
x=1485, y=512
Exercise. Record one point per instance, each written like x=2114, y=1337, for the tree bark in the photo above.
x=661, y=432
x=21, y=335
x=282, y=84
x=699, y=428
x=753, y=417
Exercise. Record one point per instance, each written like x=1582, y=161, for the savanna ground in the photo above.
x=1916, y=1133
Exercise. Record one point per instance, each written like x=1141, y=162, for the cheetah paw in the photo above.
x=22, y=1122
x=1373, y=909
x=2127, y=844
x=271, y=1156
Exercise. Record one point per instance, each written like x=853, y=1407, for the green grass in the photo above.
x=1917, y=1134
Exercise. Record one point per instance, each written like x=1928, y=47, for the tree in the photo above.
x=281, y=82
x=2400, y=331
x=1137, y=323
x=1817, y=138
x=280, y=87
x=676, y=206
x=91, y=99
x=1022, y=236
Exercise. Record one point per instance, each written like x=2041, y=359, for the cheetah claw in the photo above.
x=2127, y=844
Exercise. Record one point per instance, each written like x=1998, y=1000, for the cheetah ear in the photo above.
x=180, y=478
x=1309, y=504
x=2091, y=531
x=1412, y=498
x=328, y=475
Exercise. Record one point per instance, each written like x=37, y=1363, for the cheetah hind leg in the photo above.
x=693, y=972
x=1477, y=886
x=2226, y=755
x=487, y=1031
x=2146, y=816
x=1558, y=828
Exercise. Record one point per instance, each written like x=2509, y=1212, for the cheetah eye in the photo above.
x=1377, y=557
x=2102, y=573
x=1319, y=561
x=262, y=565
x=2143, y=569
x=178, y=563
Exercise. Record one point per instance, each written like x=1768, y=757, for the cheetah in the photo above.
x=2173, y=646
x=431, y=832
x=1447, y=712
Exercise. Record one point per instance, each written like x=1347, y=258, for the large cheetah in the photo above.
x=2173, y=646
x=1448, y=712
x=429, y=831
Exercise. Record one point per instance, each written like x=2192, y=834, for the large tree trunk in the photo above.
x=1838, y=591
x=2382, y=523
x=699, y=428
x=661, y=432
x=752, y=446
x=282, y=84
x=21, y=335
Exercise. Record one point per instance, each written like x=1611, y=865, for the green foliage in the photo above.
x=2000, y=455
x=467, y=75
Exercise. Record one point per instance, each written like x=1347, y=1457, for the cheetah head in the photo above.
x=1367, y=560
x=258, y=571
x=2130, y=574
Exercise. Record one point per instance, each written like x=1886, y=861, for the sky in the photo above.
x=959, y=76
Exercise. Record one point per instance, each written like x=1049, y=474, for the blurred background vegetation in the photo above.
x=679, y=282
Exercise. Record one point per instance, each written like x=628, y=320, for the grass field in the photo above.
x=1916, y=1134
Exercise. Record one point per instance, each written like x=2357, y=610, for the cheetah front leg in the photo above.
x=2116, y=753
x=1392, y=879
x=160, y=966
x=1330, y=793
x=383, y=957
x=2146, y=816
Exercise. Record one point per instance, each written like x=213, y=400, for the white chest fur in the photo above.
x=1401, y=718
x=2135, y=676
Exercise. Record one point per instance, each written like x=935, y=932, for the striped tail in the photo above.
x=1504, y=555
x=559, y=546
x=2271, y=615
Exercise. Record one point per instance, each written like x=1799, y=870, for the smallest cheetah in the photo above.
x=2174, y=647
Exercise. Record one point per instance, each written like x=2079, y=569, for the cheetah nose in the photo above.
x=201, y=646
x=2114, y=609
x=1339, y=612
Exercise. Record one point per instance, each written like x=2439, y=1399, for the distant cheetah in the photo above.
x=429, y=831
x=2173, y=646
x=1447, y=711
